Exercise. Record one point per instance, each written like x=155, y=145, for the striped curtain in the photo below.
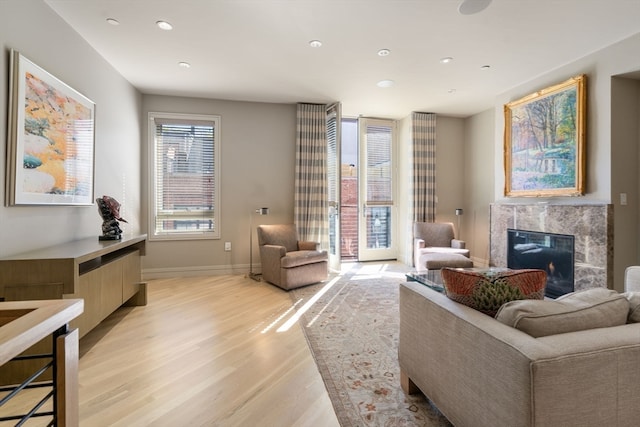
x=310, y=204
x=424, y=166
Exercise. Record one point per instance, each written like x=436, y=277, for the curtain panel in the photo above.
x=310, y=204
x=424, y=166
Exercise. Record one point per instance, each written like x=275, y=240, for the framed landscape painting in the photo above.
x=544, y=142
x=51, y=139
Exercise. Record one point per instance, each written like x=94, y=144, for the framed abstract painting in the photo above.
x=544, y=142
x=50, y=153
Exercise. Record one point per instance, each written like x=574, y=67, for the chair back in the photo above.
x=279, y=234
x=436, y=234
x=632, y=279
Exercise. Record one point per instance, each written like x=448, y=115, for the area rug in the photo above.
x=351, y=323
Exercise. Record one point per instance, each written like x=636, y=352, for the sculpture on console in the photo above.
x=109, y=210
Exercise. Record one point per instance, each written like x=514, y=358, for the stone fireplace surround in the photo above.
x=590, y=224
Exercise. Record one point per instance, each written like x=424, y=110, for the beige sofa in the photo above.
x=480, y=372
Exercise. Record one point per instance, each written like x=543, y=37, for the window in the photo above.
x=185, y=167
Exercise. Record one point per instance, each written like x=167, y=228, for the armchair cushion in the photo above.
x=458, y=244
x=284, y=235
x=437, y=234
x=308, y=246
x=297, y=258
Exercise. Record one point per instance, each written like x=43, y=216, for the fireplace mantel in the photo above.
x=590, y=224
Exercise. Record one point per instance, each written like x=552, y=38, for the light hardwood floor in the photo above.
x=203, y=352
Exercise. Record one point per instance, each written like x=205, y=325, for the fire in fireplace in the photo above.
x=551, y=252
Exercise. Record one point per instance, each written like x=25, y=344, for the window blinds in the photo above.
x=185, y=176
x=332, y=154
x=379, y=173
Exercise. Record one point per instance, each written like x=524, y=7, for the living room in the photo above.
x=470, y=172
x=474, y=144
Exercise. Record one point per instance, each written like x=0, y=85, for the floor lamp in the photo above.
x=259, y=211
x=458, y=215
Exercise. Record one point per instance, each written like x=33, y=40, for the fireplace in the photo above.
x=553, y=253
x=591, y=224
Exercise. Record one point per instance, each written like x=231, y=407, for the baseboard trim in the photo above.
x=212, y=270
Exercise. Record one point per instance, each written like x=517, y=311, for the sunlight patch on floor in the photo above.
x=326, y=306
x=285, y=327
x=279, y=318
x=374, y=271
x=353, y=271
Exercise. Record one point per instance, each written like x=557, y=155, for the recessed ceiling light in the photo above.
x=451, y=91
x=446, y=60
x=184, y=64
x=485, y=67
x=164, y=25
x=469, y=7
x=113, y=21
x=315, y=43
x=385, y=83
x=384, y=52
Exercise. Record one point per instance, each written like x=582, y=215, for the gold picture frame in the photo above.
x=544, y=141
x=51, y=139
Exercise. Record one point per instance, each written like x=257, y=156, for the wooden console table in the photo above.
x=106, y=274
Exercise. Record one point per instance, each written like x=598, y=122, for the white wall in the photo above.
x=604, y=174
x=257, y=170
x=405, y=199
x=599, y=67
x=478, y=189
x=33, y=29
x=625, y=116
x=450, y=170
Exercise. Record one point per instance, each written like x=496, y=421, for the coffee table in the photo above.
x=429, y=278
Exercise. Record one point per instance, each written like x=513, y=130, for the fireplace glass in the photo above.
x=550, y=252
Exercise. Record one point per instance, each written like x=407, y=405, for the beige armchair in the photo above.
x=288, y=262
x=435, y=246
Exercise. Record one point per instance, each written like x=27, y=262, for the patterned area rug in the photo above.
x=351, y=323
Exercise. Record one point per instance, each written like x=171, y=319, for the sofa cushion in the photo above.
x=577, y=311
x=487, y=290
x=634, y=306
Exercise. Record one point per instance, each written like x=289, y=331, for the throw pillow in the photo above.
x=577, y=311
x=634, y=306
x=487, y=290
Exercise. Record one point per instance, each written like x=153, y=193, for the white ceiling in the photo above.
x=257, y=50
